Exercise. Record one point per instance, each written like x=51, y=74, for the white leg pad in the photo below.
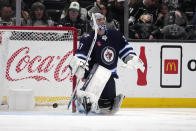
x=93, y=87
x=117, y=103
x=21, y=99
x=97, y=80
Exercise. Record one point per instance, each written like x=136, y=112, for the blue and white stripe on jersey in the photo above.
x=81, y=56
x=127, y=46
x=124, y=52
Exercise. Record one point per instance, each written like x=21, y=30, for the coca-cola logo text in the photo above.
x=36, y=67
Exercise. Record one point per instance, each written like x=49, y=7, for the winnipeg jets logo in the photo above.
x=108, y=55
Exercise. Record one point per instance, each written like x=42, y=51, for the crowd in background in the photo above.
x=148, y=19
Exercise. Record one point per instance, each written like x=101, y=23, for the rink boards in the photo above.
x=170, y=75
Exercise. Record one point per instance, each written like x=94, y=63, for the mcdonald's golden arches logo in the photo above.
x=171, y=66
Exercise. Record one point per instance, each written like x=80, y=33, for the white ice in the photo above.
x=134, y=119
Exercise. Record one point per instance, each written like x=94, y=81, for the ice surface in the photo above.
x=134, y=119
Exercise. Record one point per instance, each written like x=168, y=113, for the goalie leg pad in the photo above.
x=106, y=103
x=91, y=91
x=105, y=106
x=85, y=102
x=81, y=94
x=110, y=106
x=79, y=106
x=96, y=81
x=117, y=103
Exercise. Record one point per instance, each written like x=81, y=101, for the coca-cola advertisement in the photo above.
x=35, y=64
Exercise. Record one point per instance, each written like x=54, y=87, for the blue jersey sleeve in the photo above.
x=83, y=48
x=125, y=48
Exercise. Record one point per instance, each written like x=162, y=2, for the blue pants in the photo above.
x=109, y=91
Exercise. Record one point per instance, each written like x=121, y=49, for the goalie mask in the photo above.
x=100, y=20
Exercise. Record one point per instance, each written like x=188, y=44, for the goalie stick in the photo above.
x=87, y=59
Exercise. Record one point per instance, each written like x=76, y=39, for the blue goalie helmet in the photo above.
x=98, y=16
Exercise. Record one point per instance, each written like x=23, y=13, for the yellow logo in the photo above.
x=171, y=66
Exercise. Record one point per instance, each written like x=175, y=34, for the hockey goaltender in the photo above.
x=96, y=60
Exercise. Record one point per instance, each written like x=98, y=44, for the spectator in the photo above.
x=174, y=26
x=164, y=13
x=139, y=8
x=174, y=32
x=116, y=7
x=7, y=16
x=4, y=2
x=144, y=28
x=39, y=16
x=73, y=19
x=167, y=16
x=83, y=11
x=192, y=30
x=172, y=4
x=95, y=9
x=172, y=22
x=110, y=22
x=29, y=3
x=179, y=18
x=24, y=11
x=188, y=8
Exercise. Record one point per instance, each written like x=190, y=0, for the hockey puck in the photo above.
x=55, y=105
